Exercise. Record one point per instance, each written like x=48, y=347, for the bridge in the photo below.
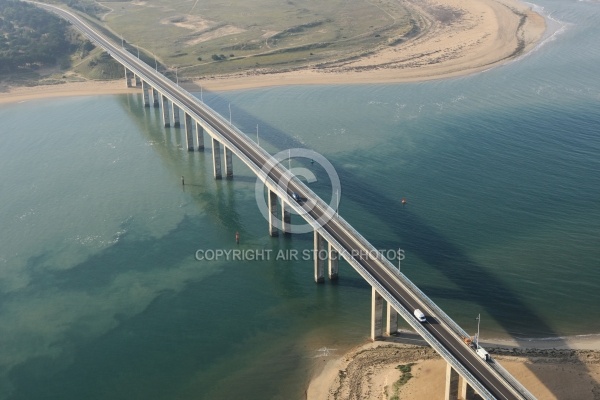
x=468, y=376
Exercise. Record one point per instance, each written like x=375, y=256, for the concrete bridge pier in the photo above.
x=286, y=218
x=145, y=89
x=466, y=391
x=127, y=76
x=334, y=259
x=272, y=201
x=176, y=123
x=199, y=136
x=391, y=321
x=155, y=97
x=451, y=391
x=165, y=109
x=319, y=259
x=457, y=387
x=376, y=314
x=216, y=150
x=189, y=134
x=228, y=163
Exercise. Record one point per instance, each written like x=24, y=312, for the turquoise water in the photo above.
x=100, y=293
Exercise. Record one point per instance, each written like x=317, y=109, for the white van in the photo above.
x=483, y=354
x=420, y=316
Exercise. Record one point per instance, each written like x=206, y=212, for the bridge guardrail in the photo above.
x=500, y=371
x=446, y=319
x=408, y=317
x=516, y=385
x=327, y=210
x=419, y=294
x=390, y=267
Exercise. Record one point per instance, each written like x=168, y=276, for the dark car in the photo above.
x=296, y=197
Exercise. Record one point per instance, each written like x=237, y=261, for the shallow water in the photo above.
x=100, y=293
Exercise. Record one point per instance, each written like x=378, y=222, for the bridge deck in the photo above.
x=443, y=334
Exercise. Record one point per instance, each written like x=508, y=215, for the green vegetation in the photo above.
x=270, y=34
x=200, y=39
x=405, y=377
x=30, y=38
x=34, y=42
x=89, y=7
x=99, y=65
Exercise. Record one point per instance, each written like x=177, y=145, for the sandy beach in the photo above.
x=457, y=37
x=371, y=371
x=68, y=89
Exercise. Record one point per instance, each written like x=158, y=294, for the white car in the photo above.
x=419, y=315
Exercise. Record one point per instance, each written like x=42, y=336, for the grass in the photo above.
x=254, y=34
x=258, y=33
x=98, y=65
x=405, y=377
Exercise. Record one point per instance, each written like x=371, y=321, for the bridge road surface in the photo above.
x=497, y=386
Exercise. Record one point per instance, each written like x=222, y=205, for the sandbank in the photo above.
x=456, y=37
x=370, y=372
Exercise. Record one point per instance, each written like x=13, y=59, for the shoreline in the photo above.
x=20, y=94
x=370, y=370
x=575, y=342
x=457, y=38
x=482, y=34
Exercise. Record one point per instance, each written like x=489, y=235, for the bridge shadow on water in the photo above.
x=473, y=283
